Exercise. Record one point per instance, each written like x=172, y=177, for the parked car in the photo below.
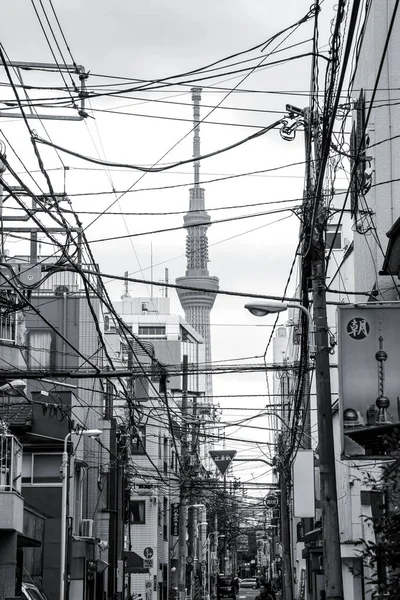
x=32, y=592
x=249, y=583
x=225, y=588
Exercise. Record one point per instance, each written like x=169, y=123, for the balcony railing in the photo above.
x=10, y=463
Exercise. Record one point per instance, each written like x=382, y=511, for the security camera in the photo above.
x=295, y=110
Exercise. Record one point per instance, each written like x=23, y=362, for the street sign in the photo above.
x=148, y=563
x=271, y=501
x=222, y=459
x=148, y=552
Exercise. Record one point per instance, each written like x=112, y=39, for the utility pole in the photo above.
x=284, y=472
x=214, y=563
x=329, y=508
x=326, y=449
x=317, y=145
x=183, y=498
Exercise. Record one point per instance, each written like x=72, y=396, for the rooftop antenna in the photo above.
x=126, y=284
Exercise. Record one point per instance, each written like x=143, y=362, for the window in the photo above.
x=173, y=460
x=41, y=469
x=165, y=457
x=78, y=498
x=333, y=237
x=137, y=512
x=40, y=349
x=153, y=330
x=8, y=320
x=165, y=514
x=138, y=441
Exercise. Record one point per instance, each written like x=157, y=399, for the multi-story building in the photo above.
x=13, y=512
x=60, y=331
x=160, y=341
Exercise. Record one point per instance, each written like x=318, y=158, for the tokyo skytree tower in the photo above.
x=198, y=305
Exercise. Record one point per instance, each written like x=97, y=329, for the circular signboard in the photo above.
x=271, y=501
x=148, y=552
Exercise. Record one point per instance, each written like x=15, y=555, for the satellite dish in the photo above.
x=60, y=290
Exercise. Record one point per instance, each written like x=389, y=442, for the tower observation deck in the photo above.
x=198, y=304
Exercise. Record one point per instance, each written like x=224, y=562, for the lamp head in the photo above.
x=261, y=309
x=13, y=388
x=94, y=433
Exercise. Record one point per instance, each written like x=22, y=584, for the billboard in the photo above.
x=304, y=484
x=369, y=373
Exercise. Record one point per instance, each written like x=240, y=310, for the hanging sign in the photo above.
x=175, y=519
x=222, y=459
x=368, y=342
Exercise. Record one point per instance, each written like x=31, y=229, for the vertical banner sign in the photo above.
x=302, y=589
x=175, y=519
x=149, y=591
x=368, y=340
x=222, y=459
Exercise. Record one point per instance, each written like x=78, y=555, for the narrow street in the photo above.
x=247, y=594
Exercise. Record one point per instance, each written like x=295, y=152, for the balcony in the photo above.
x=11, y=501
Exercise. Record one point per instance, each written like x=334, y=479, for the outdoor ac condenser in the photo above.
x=87, y=528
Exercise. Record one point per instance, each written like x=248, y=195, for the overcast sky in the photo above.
x=158, y=39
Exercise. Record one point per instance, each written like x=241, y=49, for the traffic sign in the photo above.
x=148, y=552
x=222, y=459
x=271, y=501
x=148, y=563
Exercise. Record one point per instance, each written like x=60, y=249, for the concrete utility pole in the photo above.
x=183, y=498
x=326, y=448
x=329, y=508
x=285, y=534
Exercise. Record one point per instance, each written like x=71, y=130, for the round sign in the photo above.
x=358, y=328
x=271, y=501
x=148, y=552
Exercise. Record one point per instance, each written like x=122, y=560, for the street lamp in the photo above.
x=326, y=448
x=94, y=433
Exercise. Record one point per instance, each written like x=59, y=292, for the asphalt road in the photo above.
x=247, y=594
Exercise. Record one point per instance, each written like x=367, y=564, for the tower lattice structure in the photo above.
x=198, y=304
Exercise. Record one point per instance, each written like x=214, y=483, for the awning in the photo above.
x=23, y=541
x=373, y=438
x=134, y=563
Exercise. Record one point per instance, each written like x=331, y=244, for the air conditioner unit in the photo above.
x=87, y=528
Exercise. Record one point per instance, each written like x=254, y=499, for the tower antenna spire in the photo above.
x=198, y=304
x=196, y=97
